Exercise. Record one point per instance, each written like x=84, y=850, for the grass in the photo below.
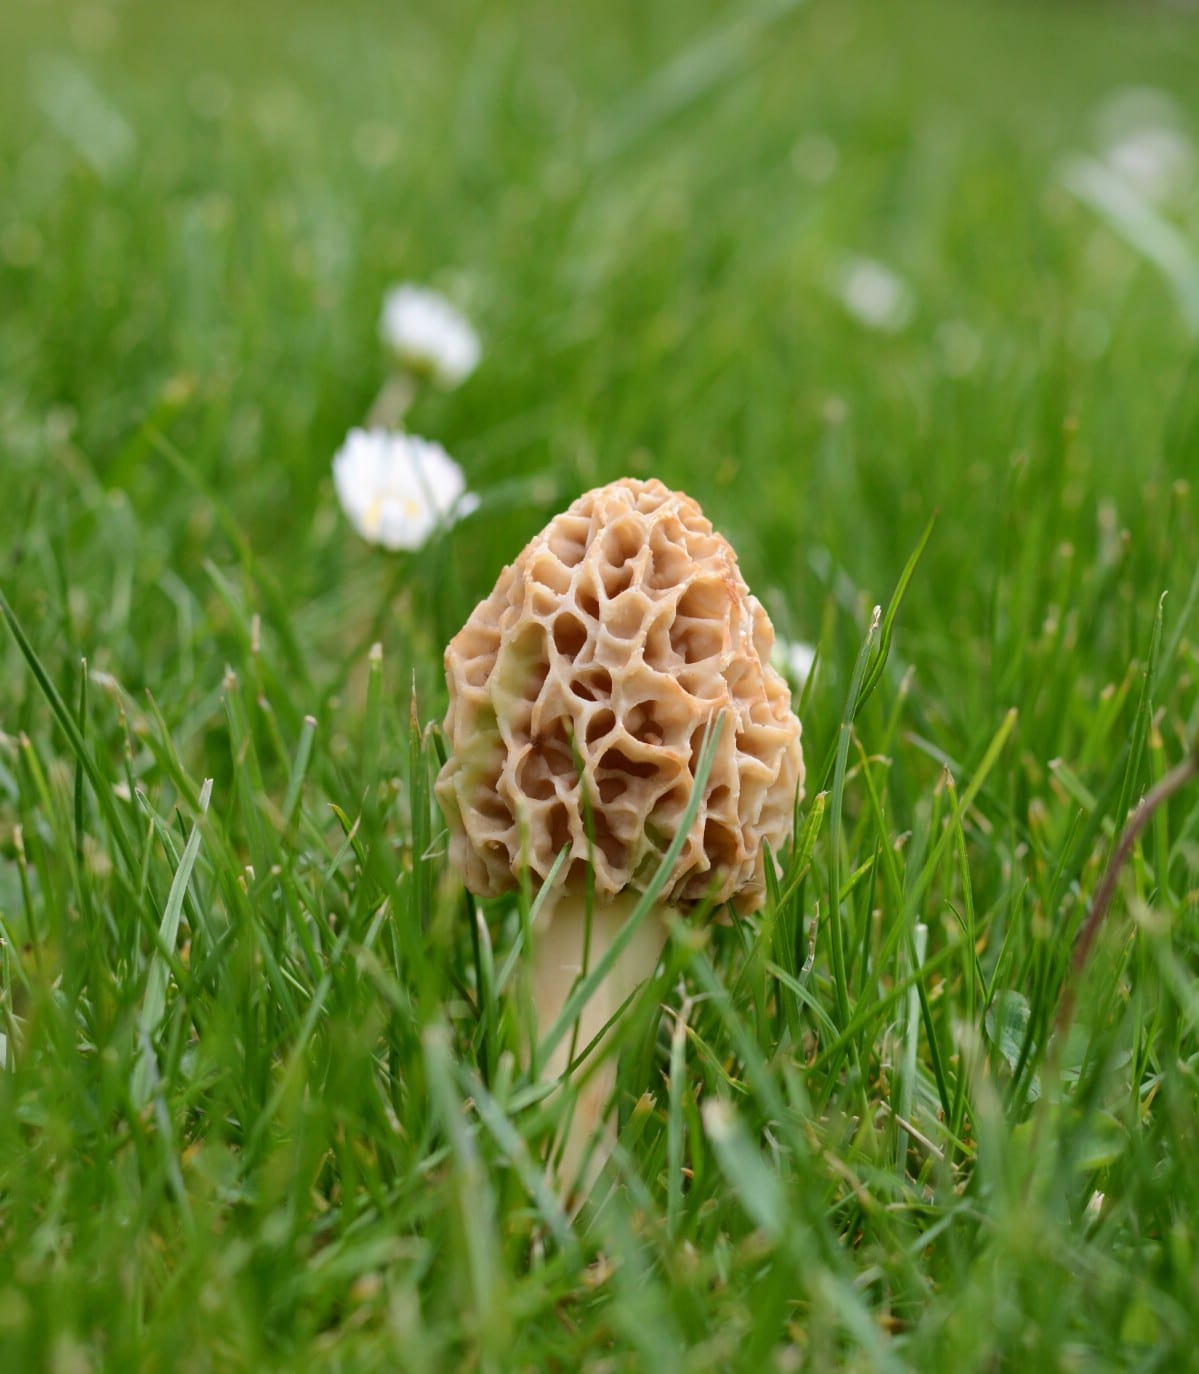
x=263, y=1106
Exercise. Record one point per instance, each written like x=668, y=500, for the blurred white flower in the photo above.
x=396, y=489
x=1142, y=131
x=429, y=335
x=794, y=659
x=875, y=295
x=1157, y=160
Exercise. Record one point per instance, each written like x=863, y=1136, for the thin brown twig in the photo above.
x=1157, y=796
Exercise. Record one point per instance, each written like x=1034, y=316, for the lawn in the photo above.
x=898, y=296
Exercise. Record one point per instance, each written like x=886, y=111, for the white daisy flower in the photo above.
x=396, y=489
x=428, y=335
x=794, y=659
x=875, y=295
x=1156, y=160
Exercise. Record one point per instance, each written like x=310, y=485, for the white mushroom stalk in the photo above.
x=581, y=695
x=569, y=943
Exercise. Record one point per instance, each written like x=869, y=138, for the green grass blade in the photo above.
x=154, y=1002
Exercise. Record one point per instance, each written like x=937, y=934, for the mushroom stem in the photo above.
x=562, y=944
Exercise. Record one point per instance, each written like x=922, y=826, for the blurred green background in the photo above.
x=651, y=211
x=834, y=269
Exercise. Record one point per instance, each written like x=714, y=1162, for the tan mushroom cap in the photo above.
x=593, y=670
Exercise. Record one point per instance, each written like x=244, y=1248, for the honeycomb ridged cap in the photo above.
x=594, y=670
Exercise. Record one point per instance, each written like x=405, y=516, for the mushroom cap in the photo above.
x=580, y=693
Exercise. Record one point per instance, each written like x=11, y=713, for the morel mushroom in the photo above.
x=581, y=692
